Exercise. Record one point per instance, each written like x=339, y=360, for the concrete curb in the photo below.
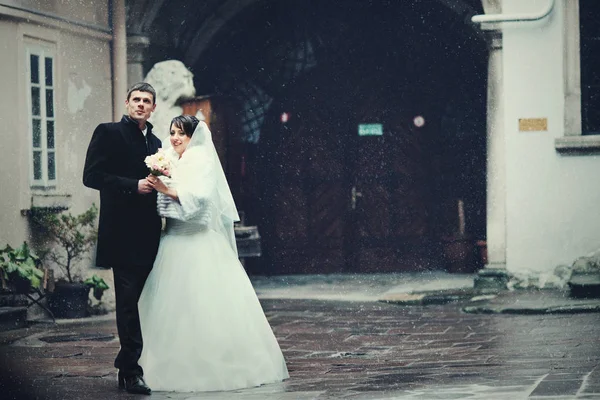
x=562, y=309
x=525, y=302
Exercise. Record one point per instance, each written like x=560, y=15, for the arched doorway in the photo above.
x=324, y=197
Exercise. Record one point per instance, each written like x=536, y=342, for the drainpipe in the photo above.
x=119, y=58
x=496, y=18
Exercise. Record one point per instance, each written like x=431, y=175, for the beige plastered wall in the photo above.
x=79, y=34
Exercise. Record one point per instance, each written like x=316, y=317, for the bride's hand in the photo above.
x=160, y=186
x=152, y=178
x=157, y=184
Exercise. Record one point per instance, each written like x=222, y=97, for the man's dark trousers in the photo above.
x=129, y=282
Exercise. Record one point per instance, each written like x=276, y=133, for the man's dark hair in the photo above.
x=187, y=123
x=142, y=87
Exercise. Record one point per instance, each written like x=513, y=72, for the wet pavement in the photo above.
x=341, y=343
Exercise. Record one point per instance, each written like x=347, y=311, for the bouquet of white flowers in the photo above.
x=159, y=164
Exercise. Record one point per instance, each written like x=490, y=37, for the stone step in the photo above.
x=8, y=299
x=12, y=318
x=585, y=286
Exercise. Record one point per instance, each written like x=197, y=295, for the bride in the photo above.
x=202, y=324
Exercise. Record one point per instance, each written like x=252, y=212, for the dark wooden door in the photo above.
x=304, y=193
x=389, y=195
x=335, y=201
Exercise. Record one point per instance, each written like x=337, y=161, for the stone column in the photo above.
x=136, y=55
x=494, y=274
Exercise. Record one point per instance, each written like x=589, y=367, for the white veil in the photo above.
x=201, y=184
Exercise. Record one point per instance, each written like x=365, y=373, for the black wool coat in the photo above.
x=129, y=226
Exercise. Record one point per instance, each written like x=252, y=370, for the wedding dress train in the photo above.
x=203, y=326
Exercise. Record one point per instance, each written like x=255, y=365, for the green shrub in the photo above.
x=74, y=236
x=20, y=265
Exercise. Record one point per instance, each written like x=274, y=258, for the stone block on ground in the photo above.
x=585, y=286
x=584, y=281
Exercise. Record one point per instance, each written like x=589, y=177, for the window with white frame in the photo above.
x=581, y=36
x=589, y=17
x=42, y=121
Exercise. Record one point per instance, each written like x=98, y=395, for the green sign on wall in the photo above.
x=370, y=129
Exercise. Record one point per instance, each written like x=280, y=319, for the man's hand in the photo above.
x=144, y=186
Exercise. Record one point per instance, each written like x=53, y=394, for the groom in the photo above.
x=129, y=226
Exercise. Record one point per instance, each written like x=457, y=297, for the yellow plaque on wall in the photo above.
x=533, y=124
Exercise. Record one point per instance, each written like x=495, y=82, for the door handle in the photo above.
x=354, y=195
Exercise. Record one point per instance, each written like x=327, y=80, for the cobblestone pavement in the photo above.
x=346, y=350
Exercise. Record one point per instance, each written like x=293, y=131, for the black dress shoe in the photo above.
x=133, y=384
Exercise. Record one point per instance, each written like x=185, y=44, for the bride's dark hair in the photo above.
x=187, y=123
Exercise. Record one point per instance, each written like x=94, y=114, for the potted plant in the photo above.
x=20, y=269
x=74, y=236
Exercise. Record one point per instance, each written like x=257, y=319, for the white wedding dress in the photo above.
x=202, y=324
